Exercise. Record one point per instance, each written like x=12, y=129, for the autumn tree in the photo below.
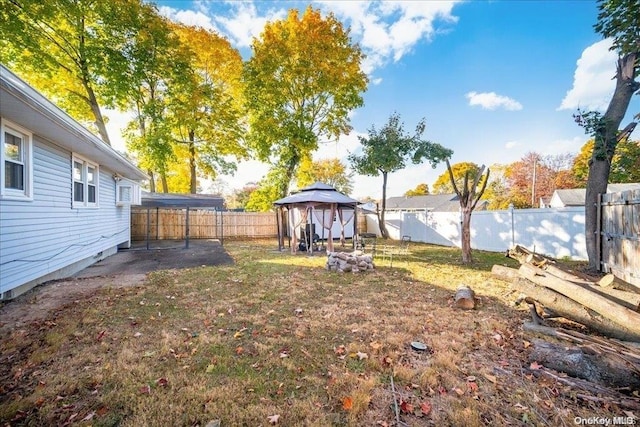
x=301, y=82
x=156, y=61
x=240, y=197
x=421, y=189
x=329, y=171
x=620, y=21
x=443, y=184
x=469, y=191
x=205, y=107
x=528, y=180
x=71, y=50
x=388, y=150
x=625, y=163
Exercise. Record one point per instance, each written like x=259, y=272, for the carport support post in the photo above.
x=186, y=230
x=148, y=225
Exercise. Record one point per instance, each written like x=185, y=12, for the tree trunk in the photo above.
x=606, y=139
x=598, y=303
x=600, y=368
x=383, y=227
x=163, y=181
x=193, y=184
x=152, y=181
x=467, y=258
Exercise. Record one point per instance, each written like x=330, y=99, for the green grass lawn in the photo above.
x=277, y=339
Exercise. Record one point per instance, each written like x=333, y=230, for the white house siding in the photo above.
x=555, y=232
x=45, y=235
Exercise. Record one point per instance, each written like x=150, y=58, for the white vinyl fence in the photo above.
x=556, y=232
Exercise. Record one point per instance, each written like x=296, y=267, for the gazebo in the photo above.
x=320, y=201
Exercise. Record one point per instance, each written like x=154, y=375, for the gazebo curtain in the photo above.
x=327, y=222
x=304, y=210
x=344, y=217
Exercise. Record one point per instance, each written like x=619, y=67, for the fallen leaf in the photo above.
x=425, y=407
x=89, y=417
x=145, y=389
x=458, y=391
x=162, y=382
x=473, y=387
x=362, y=355
x=210, y=368
x=535, y=366
x=239, y=350
x=137, y=334
x=491, y=378
x=347, y=403
x=339, y=350
x=238, y=335
x=100, y=335
x=526, y=344
x=273, y=419
x=375, y=345
x=406, y=406
x=284, y=354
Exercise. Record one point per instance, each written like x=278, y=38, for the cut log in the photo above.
x=465, y=298
x=569, y=309
x=524, y=255
x=627, y=299
x=602, y=368
x=507, y=274
x=606, y=308
x=611, y=281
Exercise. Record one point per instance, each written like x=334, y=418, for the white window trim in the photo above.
x=135, y=192
x=27, y=140
x=85, y=188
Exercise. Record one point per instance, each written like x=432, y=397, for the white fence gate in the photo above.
x=557, y=232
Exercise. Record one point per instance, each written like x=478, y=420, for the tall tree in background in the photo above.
x=468, y=194
x=625, y=163
x=620, y=20
x=301, y=82
x=389, y=149
x=421, y=189
x=205, y=106
x=460, y=171
x=156, y=62
x=330, y=171
x=528, y=180
x=70, y=50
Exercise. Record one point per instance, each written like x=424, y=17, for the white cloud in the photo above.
x=188, y=17
x=492, y=101
x=390, y=29
x=511, y=144
x=593, y=81
x=246, y=23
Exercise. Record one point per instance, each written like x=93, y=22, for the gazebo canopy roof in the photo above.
x=318, y=193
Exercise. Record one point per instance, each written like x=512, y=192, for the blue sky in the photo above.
x=494, y=79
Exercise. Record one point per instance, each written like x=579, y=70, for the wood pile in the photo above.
x=354, y=262
x=609, y=307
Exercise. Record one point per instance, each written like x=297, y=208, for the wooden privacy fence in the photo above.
x=619, y=235
x=171, y=224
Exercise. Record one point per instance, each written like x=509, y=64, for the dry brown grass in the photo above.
x=276, y=334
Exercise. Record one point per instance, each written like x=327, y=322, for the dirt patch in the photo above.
x=125, y=269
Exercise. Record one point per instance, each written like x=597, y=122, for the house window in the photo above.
x=127, y=193
x=16, y=169
x=85, y=183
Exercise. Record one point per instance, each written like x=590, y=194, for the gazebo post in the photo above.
x=278, y=228
x=355, y=226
